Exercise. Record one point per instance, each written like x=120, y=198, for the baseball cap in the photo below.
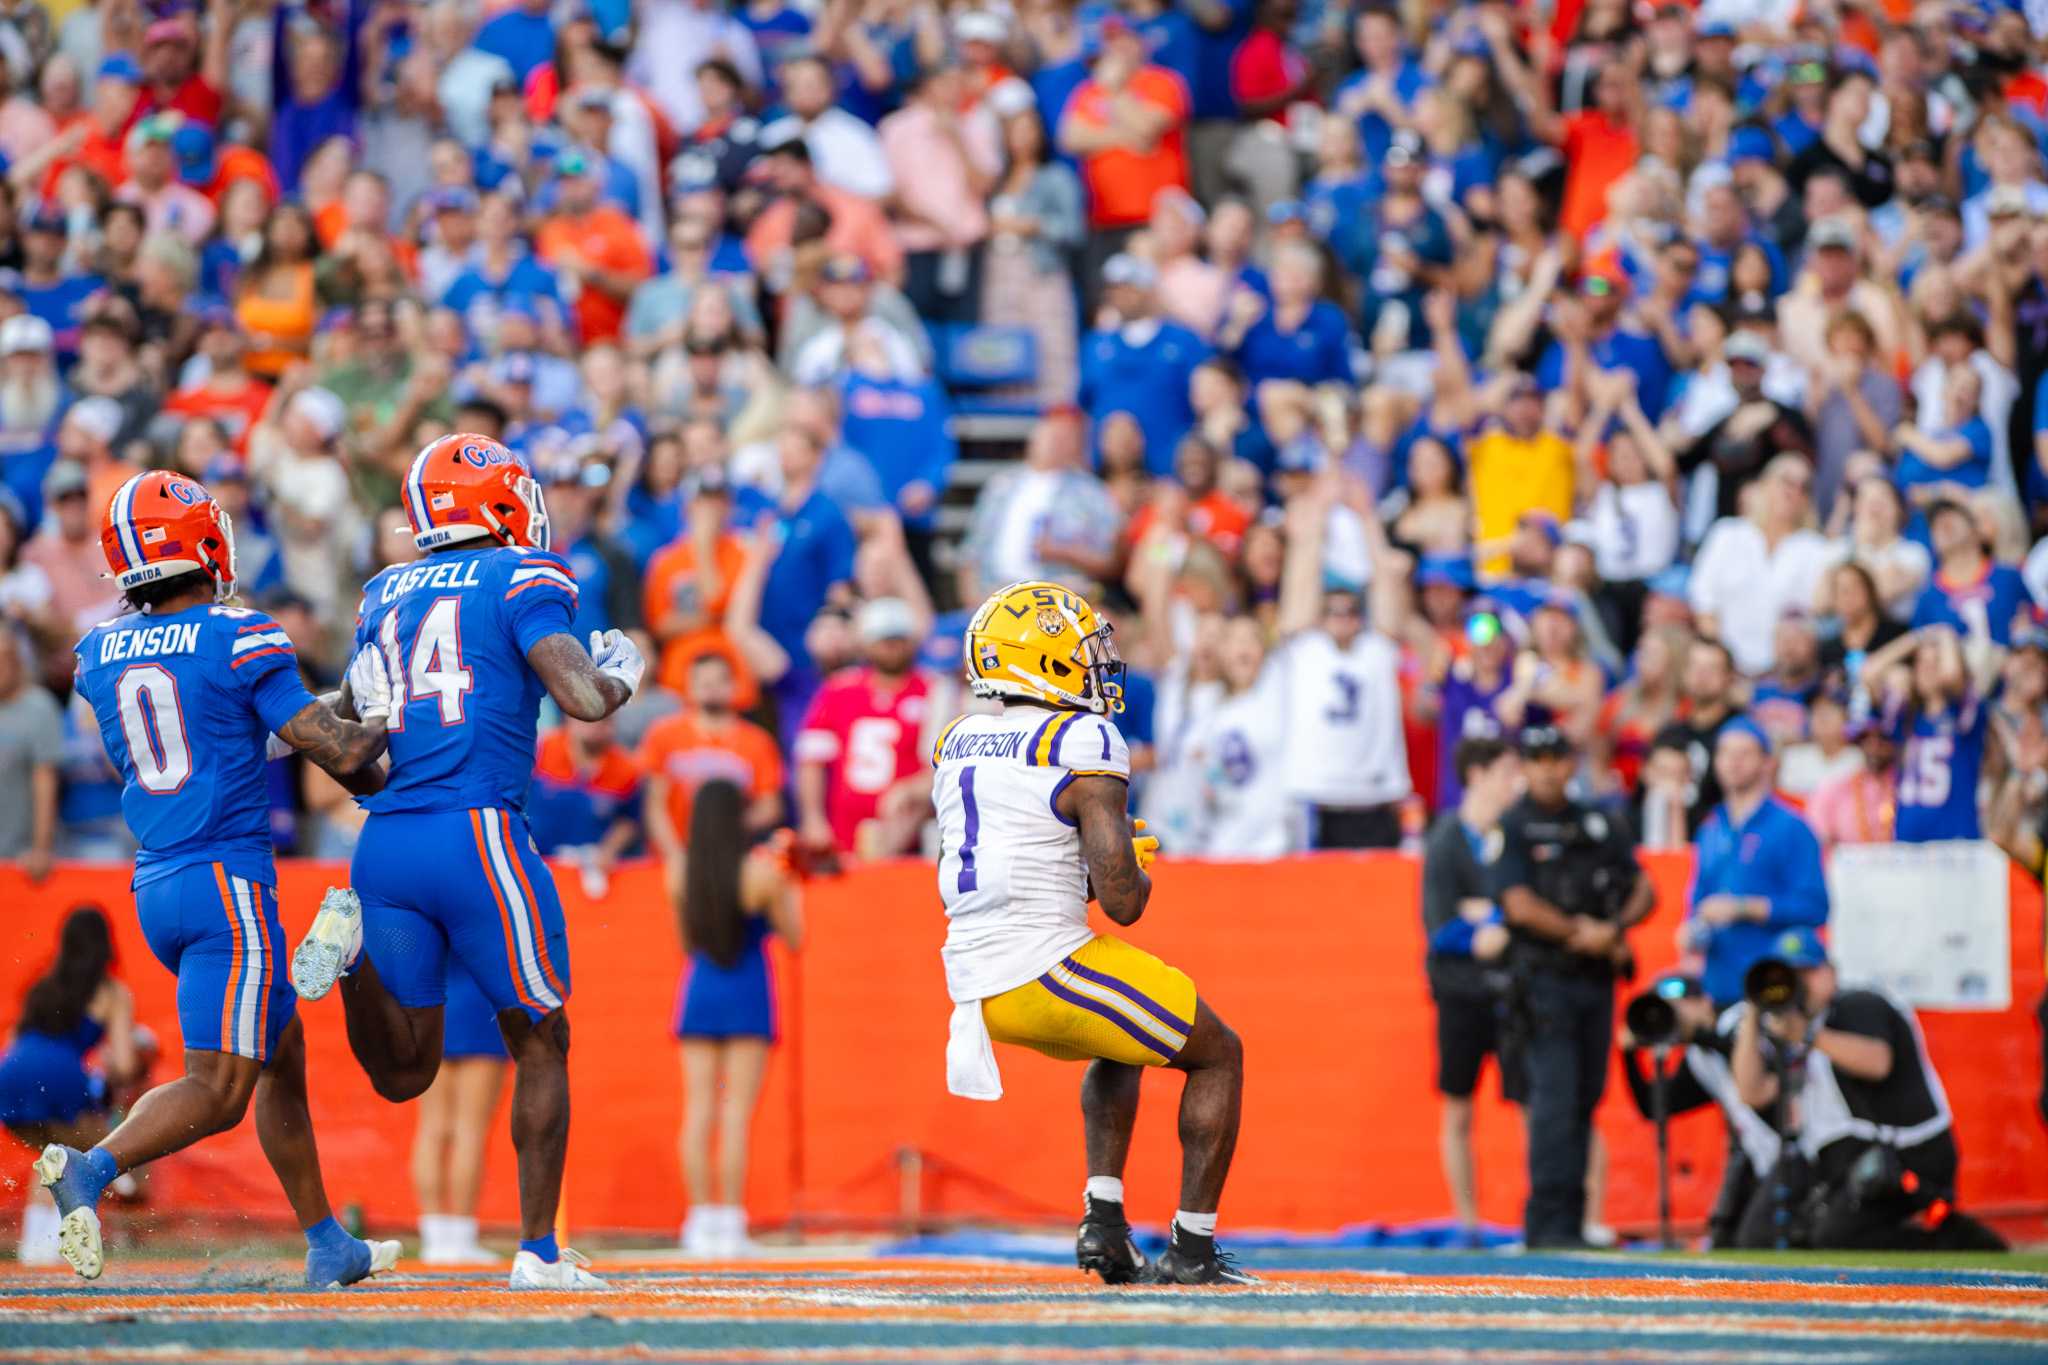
x=453, y=199
x=323, y=408
x=886, y=618
x=979, y=26
x=25, y=332
x=1455, y=570
x=1752, y=306
x=1124, y=268
x=1833, y=232
x=1544, y=522
x=47, y=219
x=1746, y=347
x=1750, y=144
x=192, y=144
x=121, y=67
x=1740, y=726
x=1713, y=28
x=1544, y=741
x=516, y=368
x=1405, y=149
x=572, y=162
x=1283, y=211
x=63, y=479
x=1798, y=948
x=97, y=417
x=1604, y=281
x=223, y=469
x=2030, y=637
x=166, y=31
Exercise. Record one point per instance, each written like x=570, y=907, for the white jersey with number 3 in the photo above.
x=1010, y=866
x=1344, y=741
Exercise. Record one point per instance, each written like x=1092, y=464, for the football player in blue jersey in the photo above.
x=470, y=636
x=186, y=691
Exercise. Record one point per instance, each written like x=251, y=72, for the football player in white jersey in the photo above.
x=1032, y=826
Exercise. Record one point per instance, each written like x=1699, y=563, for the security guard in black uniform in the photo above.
x=1568, y=885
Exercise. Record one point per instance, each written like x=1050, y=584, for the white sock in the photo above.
x=1106, y=1188
x=1195, y=1224
x=40, y=1225
x=461, y=1231
x=433, y=1233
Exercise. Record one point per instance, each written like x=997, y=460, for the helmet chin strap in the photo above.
x=1039, y=684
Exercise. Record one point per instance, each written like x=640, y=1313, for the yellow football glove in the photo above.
x=1145, y=846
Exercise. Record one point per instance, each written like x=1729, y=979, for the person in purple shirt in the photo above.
x=1466, y=700
x=314, y=71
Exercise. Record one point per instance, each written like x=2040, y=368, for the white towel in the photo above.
x=971, y=1071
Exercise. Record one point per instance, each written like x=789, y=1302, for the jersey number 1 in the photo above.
x=435, y=668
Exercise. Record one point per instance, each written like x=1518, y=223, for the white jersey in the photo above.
x=1344, y=743
x=1240, y=751
x=1010, y=866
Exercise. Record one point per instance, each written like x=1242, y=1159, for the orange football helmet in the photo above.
x=468, y=487
x=161, y=524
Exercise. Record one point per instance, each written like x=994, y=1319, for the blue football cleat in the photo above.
x=331, y=1267
x=60, y=1169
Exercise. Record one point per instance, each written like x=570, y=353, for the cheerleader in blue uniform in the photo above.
x=733, y=899
x=48, y=1092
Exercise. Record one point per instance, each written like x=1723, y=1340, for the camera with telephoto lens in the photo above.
x=1771, y=985
x=1652, y=1019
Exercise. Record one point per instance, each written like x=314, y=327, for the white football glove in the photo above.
x=616, y=656
x=369, y=684
x=275, y=748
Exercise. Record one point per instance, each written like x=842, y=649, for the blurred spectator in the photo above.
x=688, y=585
x=1126, y=126
x=1518, y=467
x=294, y=456
x=852, y=225
x=706, y=741
x=225, y=392
x=1035, y=223
x=1968, y=593
x=1346, y=760
x=1711, y=691
x=1859, y=807
x=848, y=322
x=585, y=799
x=863, y=781
x=594, y=247
x=275, y=302
x=31, y=746
x=1046, y=518
x=1296, y=335
x=944, y=163
x=1668, y=810
x=1240, y=748
x=1827, y=755
x=1755, y=567
x=849, y=154
x=1930, y=697
x=66, y=548
x=1137, y=363
x=1758, y=871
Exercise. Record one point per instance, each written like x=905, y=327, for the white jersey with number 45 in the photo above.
x=1010, y=866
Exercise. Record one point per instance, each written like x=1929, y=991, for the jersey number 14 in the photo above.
x=434, y=667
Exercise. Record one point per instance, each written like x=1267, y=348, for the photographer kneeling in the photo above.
x=1873, y=1121
x=1675, y=1012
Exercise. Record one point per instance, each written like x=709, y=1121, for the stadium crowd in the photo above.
x=1643, y=366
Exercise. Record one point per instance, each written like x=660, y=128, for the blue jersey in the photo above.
x=1998, y=595
x=1938, y=770
x=185, y=704
x=465, y=706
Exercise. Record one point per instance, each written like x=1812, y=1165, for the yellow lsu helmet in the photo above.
x=1038, y=641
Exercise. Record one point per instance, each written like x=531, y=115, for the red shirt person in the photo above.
x=862, y=782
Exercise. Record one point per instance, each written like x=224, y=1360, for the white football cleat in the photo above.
x=331, y=946
x=531, y=1272
x=78, y=1233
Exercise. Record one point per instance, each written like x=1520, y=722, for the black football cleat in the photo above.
x=1192, y=1265
x=1105, y=1246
